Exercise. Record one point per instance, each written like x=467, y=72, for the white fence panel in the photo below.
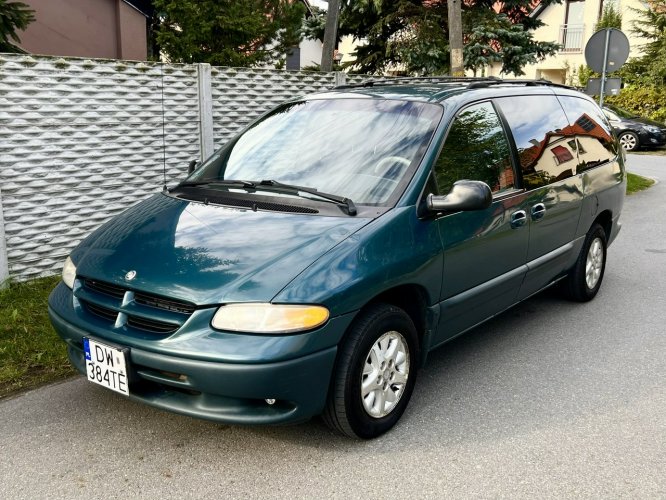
x=81, y=140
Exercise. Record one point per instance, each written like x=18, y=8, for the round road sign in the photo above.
x=618, y=50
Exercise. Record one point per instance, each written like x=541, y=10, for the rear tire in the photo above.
x=584, y=280
x=375, y=373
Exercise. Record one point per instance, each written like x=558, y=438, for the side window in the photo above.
x=592, y=130
x=476, y=148
x=544, y=141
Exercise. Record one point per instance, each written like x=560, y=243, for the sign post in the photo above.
x=606, y=51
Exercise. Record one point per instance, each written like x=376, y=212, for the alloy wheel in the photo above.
x=594, y=263
x=385, y=374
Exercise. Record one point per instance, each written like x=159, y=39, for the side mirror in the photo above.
x=464, y=196
x=192, y=166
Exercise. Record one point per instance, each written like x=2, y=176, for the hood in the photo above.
x=208, y=254
x=639, y=120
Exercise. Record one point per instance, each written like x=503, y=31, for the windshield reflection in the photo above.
x=361, y=149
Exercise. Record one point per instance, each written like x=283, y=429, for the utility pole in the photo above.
x=330, y=35
x=455, y=37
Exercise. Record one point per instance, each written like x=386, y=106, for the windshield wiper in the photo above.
x=221, y=182
x=292, y=189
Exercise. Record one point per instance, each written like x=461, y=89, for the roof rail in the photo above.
x=528, y=83
x=474, y=82
x=419, y=79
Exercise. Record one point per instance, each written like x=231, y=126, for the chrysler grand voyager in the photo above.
x=310, y=265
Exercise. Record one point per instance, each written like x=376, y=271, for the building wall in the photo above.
x=562, y=67
x=132, y=33
x=310, y=53
x=86, y=28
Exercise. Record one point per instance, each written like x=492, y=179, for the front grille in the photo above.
x=151, y=325
x=105, y=288
x=159, y=303
x=102, y=312
x=141, y=311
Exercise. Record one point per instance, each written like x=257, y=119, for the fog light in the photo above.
x=270, y=401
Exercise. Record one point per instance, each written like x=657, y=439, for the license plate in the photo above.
x=106, y=366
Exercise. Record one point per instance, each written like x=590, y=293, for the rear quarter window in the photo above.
x=544, y=140
x=593, y=132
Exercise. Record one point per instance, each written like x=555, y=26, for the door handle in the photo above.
x=538, y=211
x=518, y=218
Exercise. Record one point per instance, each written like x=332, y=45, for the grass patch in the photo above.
x=636, y=183
x=31, y=353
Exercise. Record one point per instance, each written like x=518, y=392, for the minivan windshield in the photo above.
x=362, y=149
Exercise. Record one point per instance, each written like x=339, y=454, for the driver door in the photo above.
x=484, y=251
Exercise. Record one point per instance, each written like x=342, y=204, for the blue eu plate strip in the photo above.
x=86, y=349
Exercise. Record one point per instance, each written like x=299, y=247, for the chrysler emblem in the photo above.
x=130, y=275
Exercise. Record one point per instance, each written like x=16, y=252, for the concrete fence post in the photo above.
x=4, y=265
x=340, y=78
x=205, y=110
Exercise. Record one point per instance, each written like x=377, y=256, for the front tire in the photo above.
x=629, y=141
x=584, y=280
x=375, y=373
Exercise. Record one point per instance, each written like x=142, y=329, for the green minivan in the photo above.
x=310, y=265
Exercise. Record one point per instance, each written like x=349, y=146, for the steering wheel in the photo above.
x=391, y=167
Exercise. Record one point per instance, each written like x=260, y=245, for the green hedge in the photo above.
x=649, y=102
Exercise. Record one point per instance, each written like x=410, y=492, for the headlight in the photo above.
x=652, y=128
x=269, y=318
x=69, y=273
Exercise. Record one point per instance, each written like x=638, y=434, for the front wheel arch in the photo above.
x=345, y=410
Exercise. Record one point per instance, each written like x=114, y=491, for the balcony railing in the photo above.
x=571, y=37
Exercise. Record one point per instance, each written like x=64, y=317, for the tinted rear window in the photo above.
x=543, y=138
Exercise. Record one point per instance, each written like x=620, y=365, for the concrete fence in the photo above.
x=82, y=140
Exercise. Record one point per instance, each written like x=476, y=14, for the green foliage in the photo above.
x=584, y=75
x=610, y=18
x=227, y=32
x=646, y=101
x=313, y=26
x=651, y=25
x=494, y=38
x=13, y=16
x=30, y=351
x=412, y=35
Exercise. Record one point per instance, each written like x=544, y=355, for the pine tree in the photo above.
x=651, y=25
x=610, y=18
x=413, y=35
x=13, y=16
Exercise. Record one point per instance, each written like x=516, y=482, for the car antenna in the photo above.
x=164, y=188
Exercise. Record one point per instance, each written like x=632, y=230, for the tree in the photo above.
x=413, y=34
x=610, y=18
x=13, y=16
x=494, y=38
x=227, y=32
x=314, y=26
x=651, y=25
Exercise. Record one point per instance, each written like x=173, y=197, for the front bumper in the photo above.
x=231, y=387
x=652, y=139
